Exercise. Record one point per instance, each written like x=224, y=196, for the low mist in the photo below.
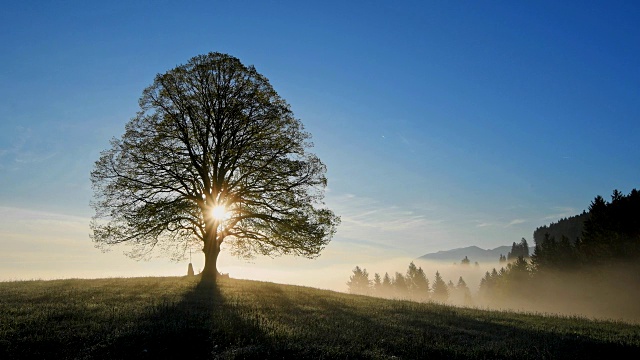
x=472, y=274
x=606, y=292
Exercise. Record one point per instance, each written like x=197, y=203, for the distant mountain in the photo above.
x=474, y=254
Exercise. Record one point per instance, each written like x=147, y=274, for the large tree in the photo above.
x=214, y=155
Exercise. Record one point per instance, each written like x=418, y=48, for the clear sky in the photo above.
x=443, y=124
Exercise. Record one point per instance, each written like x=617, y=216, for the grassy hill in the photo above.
x=152, y=318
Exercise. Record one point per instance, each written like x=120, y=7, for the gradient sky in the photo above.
x=443, y=124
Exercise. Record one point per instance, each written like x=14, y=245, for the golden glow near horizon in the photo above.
x=219, y=212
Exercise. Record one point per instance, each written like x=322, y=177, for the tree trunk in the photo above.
x=211, y=251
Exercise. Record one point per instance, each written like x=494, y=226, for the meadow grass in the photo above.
x=169, y=318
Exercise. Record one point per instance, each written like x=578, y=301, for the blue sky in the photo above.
x=442, y=124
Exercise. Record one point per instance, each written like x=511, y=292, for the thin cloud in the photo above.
x=483, y=224
x=370, y=220
x=516, y=222
x=19, y=152
x=31, y=158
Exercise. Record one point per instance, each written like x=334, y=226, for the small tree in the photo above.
x=519, y=275
x=524, y=248
x=485, y=292
x=377, y=284
x=440, y=289
x=418, y=284
x=517, y=250
x=400, y=286
x=359, y=282
x=451, y=286
x=387, y=286
x=465, y=261
x=464, y=292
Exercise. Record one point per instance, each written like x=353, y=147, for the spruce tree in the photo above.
x=359, y=282
x=440, y=289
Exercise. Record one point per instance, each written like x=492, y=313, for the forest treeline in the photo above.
x=610, y=233
x=413, y=285
x=593, y=271
x=571, y=227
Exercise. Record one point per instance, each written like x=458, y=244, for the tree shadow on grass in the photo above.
x=198, y=326
x=334, y=327
x=267, y=322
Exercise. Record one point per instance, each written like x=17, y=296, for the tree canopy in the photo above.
x=214, y=155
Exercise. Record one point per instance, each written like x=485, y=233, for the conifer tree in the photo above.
x=359, y=282
x=417, y=283
x=440, y=289
x=387, y=286
x=463, y=289
x=400, y=287
x=377, y=284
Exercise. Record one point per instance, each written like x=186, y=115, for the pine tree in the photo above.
x=359, y=282
x=400, y=287
x=417, y=283
x=524, y=248
x=517, y=277
x=387, y=286
x=463, y=289
x=451, y=287
x=486, y=288
x=377, y=284
x=520, y=249
x=440, y=289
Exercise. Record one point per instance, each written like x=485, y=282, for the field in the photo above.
x=152, y=318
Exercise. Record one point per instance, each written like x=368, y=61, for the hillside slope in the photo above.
x=151, y=318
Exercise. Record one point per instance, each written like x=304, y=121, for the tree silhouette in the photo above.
x=610, y=232
x=463, y=290
x=417, y=283
x=214, y=155
x=486, y=287
x=440, y=289
x=377, y=284
x=517, y=276
x=359, y=282
x=571, y=227
x=400, y=286
x=451, y=287
x=387, y=285
x=519, y=249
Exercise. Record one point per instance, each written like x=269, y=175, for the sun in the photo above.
x=219, y=212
